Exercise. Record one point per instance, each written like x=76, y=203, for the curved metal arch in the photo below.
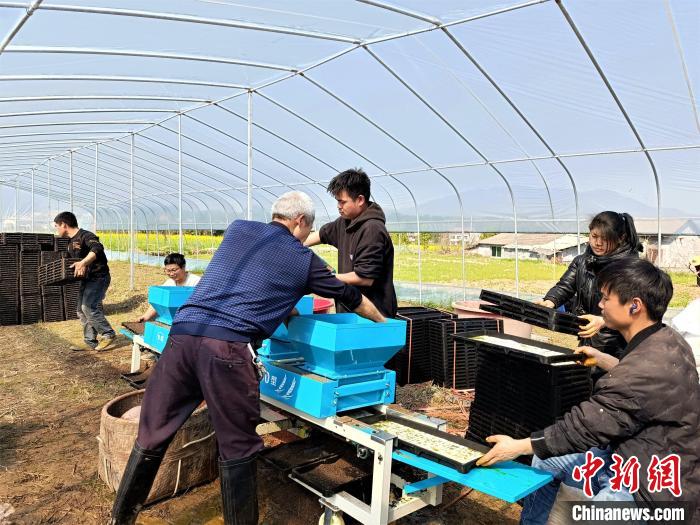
x=681, y=56
x=327, y=134
x=144, y=54
x=29, y=11
x=37, y=143
x=87, y=164
x=165, y=177
x=78, y=190
x=476, y=150
x=411, y=152
x=219, y=168
x=76, y=132
x=529, y=124
x=172, y=17
x=232, y=137
x=122, y=78
x=78, y=123
x=45, y=98
x=81, y=110
x=627, y=118
x=168, y=159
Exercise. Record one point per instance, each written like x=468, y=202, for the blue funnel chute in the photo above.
x=165, y=300
x=335, y=345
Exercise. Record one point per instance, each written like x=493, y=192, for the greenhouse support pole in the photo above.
x=94, y=204
x=249, y=211
x=32, y=199
x=17, y=203
x=70, y=180
x=131, y=215
x=180, y=243
x=48, y=186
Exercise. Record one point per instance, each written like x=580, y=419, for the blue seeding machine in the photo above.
x=324, y=377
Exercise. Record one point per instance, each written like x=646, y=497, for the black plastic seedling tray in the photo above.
x=413, y=448
x=527, y=312
x=57, y=272
x=331, y=475
x=288, y=456
x=561, y=353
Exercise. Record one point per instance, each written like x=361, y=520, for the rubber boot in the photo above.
x=140, y=471
x=239, y=490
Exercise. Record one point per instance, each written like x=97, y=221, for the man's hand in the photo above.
x=595, y=323
x=504, y=449
x=141, y=319
x=369, y=311
x=597, y=358
x=545, y=302
x=79, y=269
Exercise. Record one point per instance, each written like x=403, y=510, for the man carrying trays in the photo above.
x=94, y=272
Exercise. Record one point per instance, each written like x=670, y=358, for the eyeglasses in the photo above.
x=171, y=270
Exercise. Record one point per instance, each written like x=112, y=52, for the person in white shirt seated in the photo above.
x=175, y=268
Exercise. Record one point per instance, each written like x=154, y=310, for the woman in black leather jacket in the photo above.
x=612, y=237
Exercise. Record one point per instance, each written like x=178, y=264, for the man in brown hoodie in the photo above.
x=365, y=249
x=644, y=409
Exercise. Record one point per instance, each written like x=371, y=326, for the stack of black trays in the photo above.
x=412, y=363
x=23, y=299
x=9, y=283
x=61, y=244
x=516, y=396
x=527, y=312
x=51, y=296
x=71, y=294
x=29, y=290
x=453, y=363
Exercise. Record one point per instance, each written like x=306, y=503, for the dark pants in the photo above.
x=193, y=369
x=90, y=311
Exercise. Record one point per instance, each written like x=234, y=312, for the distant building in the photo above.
x=543, y=246
x=680, y=240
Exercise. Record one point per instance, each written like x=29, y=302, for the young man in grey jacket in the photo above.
x=643, y=410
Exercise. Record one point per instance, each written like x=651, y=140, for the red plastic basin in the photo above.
x=322, y=306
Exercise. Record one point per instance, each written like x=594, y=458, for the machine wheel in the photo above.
x=336, y=519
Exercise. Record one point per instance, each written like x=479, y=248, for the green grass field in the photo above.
x=438, y=264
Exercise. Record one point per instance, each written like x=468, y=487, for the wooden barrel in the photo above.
x=191, y=458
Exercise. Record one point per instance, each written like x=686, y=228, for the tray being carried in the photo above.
x=136, y=328
x=530, y=313
x=430, y=443
x=521, y=347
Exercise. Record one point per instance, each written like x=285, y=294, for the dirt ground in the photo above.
x=50, y=415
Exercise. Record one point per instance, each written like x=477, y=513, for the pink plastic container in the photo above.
x=510, y=326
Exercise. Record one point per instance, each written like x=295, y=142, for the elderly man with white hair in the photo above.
x=251, y=285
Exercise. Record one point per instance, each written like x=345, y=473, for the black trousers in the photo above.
x=193, y=369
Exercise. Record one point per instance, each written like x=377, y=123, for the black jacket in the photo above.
x=647, y=405
x=579, y=283
x=85, y=242
x=365, y=247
